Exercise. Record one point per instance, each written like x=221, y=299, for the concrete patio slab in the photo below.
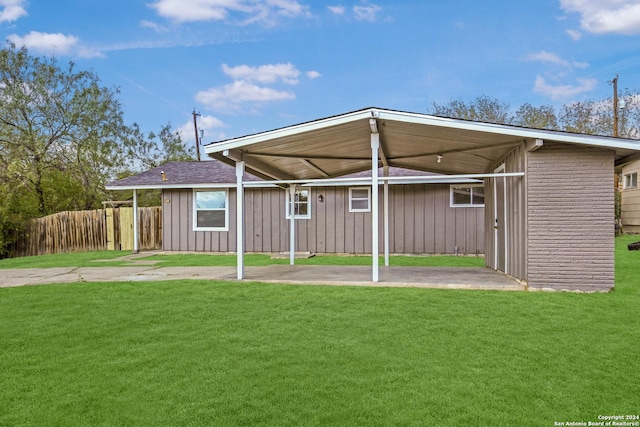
x=419, y=277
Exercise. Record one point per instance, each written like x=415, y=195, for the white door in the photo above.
x=500, y=220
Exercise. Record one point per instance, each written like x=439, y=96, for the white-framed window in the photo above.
x=631, y=180
x=302, y=203
x=360, y=199
x=211, y=210
x=467, y=196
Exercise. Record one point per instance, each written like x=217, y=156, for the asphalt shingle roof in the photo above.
x=184, y=173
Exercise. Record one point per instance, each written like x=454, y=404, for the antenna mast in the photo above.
x=615, y=106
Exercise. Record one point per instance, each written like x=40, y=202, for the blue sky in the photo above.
x=249, y=66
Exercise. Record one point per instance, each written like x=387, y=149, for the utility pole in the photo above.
x=195, y=127
x=615, y=106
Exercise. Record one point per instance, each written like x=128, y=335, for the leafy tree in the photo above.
x=61, y=138
x=629, y=114
x=151, y=150
x=589, y=117
x=543, y=117
x=481, y=109
x=58, y=129
x=594, y=117
x=11, y=210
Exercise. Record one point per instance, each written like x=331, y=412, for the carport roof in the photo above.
x=340, y=145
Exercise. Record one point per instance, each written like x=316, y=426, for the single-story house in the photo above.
x=630, y=195
x=442, y=216
x=548, y=195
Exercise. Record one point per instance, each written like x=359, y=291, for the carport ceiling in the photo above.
x=340, y=145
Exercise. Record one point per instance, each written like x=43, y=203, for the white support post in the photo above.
x=375, y=145
x=385, y=201
x=506, y=228
x=292, y=224
x=135, y=222
x=240, y=219
x=495, y=223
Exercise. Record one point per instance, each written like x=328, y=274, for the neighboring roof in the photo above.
x=340, y=145
x=181, y=175
x=392, y=172
x=628, y=161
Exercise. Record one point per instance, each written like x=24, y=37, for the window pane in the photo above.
x=210, y=199
x=211, y=218
x=302, y=196
x=631, y=180
x=462, y=196
x=360, y=193
x=360, y=204
x=302, y=209
x=478, y=195
x=301, y=203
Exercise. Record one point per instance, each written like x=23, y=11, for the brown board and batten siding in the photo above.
x=421, y=221
x=177, y=211
x=630, y=204
x=570, y=217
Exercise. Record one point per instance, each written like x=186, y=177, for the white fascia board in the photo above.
x=243, y=141
x=438, y=181
x=166, y=186
x=469, y=176
x=408, y=180
x=602, y=141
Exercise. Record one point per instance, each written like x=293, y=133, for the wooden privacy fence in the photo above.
x=96, y=230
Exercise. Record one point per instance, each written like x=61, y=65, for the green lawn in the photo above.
x=191, y=260
x=216, y=353
x=72, y=259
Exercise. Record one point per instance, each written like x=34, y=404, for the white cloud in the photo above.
x=552, y=58
x=46, y=42
x=606, y=16
x=230, y=97
x=54, y=44
x=194, y=11
x=250, y=11
x=336, y=10
x=270, y=73
x=153, y=26
x=575, y=35
x=212, y=129
x=11, y=10
x=289, y=8
x=211, y=122
x=87, y=52
x=252, y=87
x=558, y=92
x=367, y=12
